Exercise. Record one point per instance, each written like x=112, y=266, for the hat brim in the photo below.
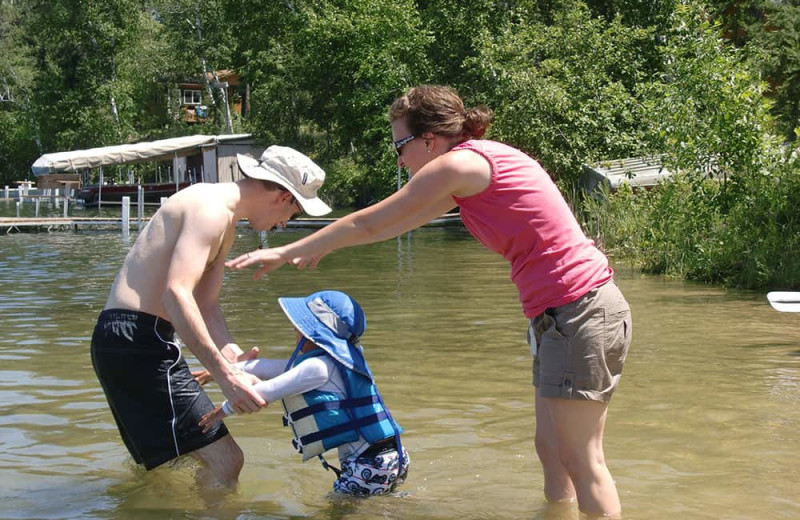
x=256, y=170
x=296, y=309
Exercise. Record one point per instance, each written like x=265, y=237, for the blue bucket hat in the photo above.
x=334, y=321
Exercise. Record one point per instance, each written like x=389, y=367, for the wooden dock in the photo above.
x=47, y=224
x=23, y=225
x=31, y=224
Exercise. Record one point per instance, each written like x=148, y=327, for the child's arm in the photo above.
x=262, y=368
x=308, y=375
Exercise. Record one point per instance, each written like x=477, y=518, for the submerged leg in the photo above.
x=558, y=485
x=575, y=431
x=220, y=463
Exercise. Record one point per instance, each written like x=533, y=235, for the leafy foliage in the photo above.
x=769, y=32
x=18, y=132
x=571, y=82
x=716, y=221
x=75, y=94
x=777, y=49
x=566, y=93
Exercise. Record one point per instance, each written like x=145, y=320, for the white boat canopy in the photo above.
x=126, y=153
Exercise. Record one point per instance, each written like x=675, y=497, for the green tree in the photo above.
x=199, y=39
x=78, y=91
x=769, y=31
x=731, y=212
x=18, y=133
x=323, y=74
x=777, y=49
x=707, y=111
x=739, y=20
x=455, y=27
x=145, y=68
x=642, y=13
x=567, y=92
x=265, y=55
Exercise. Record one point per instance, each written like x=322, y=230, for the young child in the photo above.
x=329, y=395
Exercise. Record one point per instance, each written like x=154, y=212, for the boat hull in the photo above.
x=92, y=195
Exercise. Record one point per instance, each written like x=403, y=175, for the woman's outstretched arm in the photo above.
x=426, y=196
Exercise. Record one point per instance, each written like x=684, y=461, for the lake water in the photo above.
x=705, y=425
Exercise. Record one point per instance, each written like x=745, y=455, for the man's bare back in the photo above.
x=142, y=279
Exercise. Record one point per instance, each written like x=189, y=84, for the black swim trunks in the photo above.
x=156, y=402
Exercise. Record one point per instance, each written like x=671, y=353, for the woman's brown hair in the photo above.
x=440, y=110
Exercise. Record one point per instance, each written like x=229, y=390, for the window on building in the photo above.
x=192, y=97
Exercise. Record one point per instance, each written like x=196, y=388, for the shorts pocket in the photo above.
x=617, y=340
x=554, y=352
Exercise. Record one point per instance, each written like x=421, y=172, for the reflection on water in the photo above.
x=706, y=423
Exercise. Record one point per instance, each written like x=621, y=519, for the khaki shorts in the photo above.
x=579, y=348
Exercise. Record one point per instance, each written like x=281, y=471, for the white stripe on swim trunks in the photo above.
x=169, y=386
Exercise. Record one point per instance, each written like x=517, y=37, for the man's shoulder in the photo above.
x=206, y=190
x=202, y=199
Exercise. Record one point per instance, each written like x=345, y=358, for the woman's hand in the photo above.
x=271, y=259
x=267, y=260
x=306, y=262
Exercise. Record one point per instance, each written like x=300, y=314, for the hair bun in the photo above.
x=477, y=121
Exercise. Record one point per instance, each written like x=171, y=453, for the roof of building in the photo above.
x=76, y=160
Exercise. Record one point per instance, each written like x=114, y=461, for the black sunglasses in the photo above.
x=400, y=143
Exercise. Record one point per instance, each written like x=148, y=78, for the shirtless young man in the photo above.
x=170, y=283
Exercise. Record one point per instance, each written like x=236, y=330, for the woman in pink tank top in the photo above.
x=580, y=326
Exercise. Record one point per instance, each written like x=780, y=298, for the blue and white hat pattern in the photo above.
x=334, y=321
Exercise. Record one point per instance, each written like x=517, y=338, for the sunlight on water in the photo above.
x=706, y=423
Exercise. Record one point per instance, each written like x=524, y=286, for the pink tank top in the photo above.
x=523, y=216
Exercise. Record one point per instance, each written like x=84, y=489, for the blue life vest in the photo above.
x=321, y=421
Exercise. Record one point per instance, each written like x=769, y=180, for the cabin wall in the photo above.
x=179, y=169
x=210, y=164
x=56, y=180
x=227, y=166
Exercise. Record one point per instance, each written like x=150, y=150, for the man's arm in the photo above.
x=197, y=242
x=207, y=295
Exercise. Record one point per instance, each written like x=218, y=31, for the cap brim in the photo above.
x=314, y=207
x=247, y=165
x=254, y=169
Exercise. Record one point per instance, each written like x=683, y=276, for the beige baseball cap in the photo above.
x=292, y=170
